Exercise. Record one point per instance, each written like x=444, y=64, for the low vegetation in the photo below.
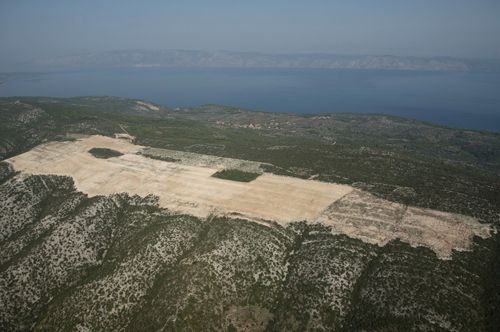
x=104, y=153
x=236, y=175
x=70, y=262
x=162, y=158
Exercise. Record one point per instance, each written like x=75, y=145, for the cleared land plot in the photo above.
x=368, y=218
x=181, y=188
x=186, y=187
x=203, y=160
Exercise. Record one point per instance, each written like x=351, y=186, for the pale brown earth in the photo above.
x=189, y=188
x=203, y=160
x=181, y=188
x=368, y=218
x=147, y=106
x=124, y=136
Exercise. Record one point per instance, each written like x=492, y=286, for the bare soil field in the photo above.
x=203, y=160
x=181, y=188
x=368, y=218
x=189, y=188
x=146, y=106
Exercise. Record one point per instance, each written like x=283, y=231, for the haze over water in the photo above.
x=32, y=32
x=457, y=99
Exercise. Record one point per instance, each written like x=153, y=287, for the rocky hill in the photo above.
x=228, y=59
x=70, y=260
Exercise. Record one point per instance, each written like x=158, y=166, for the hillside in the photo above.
x=77, y=254
x=228, y=59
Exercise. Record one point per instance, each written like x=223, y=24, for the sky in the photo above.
x=41, y=29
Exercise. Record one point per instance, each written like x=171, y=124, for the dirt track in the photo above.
x=192, y=190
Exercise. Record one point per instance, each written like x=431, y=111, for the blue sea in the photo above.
x=456, y=99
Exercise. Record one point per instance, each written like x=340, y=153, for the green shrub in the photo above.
x=104, y=153
x=236, y=175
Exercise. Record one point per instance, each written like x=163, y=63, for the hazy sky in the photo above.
x=469, y=28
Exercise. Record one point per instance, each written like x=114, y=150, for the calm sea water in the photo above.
x=467, y=100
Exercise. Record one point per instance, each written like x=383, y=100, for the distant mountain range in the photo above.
x=227, y=59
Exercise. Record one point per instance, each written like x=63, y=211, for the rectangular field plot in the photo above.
x=181, y=188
